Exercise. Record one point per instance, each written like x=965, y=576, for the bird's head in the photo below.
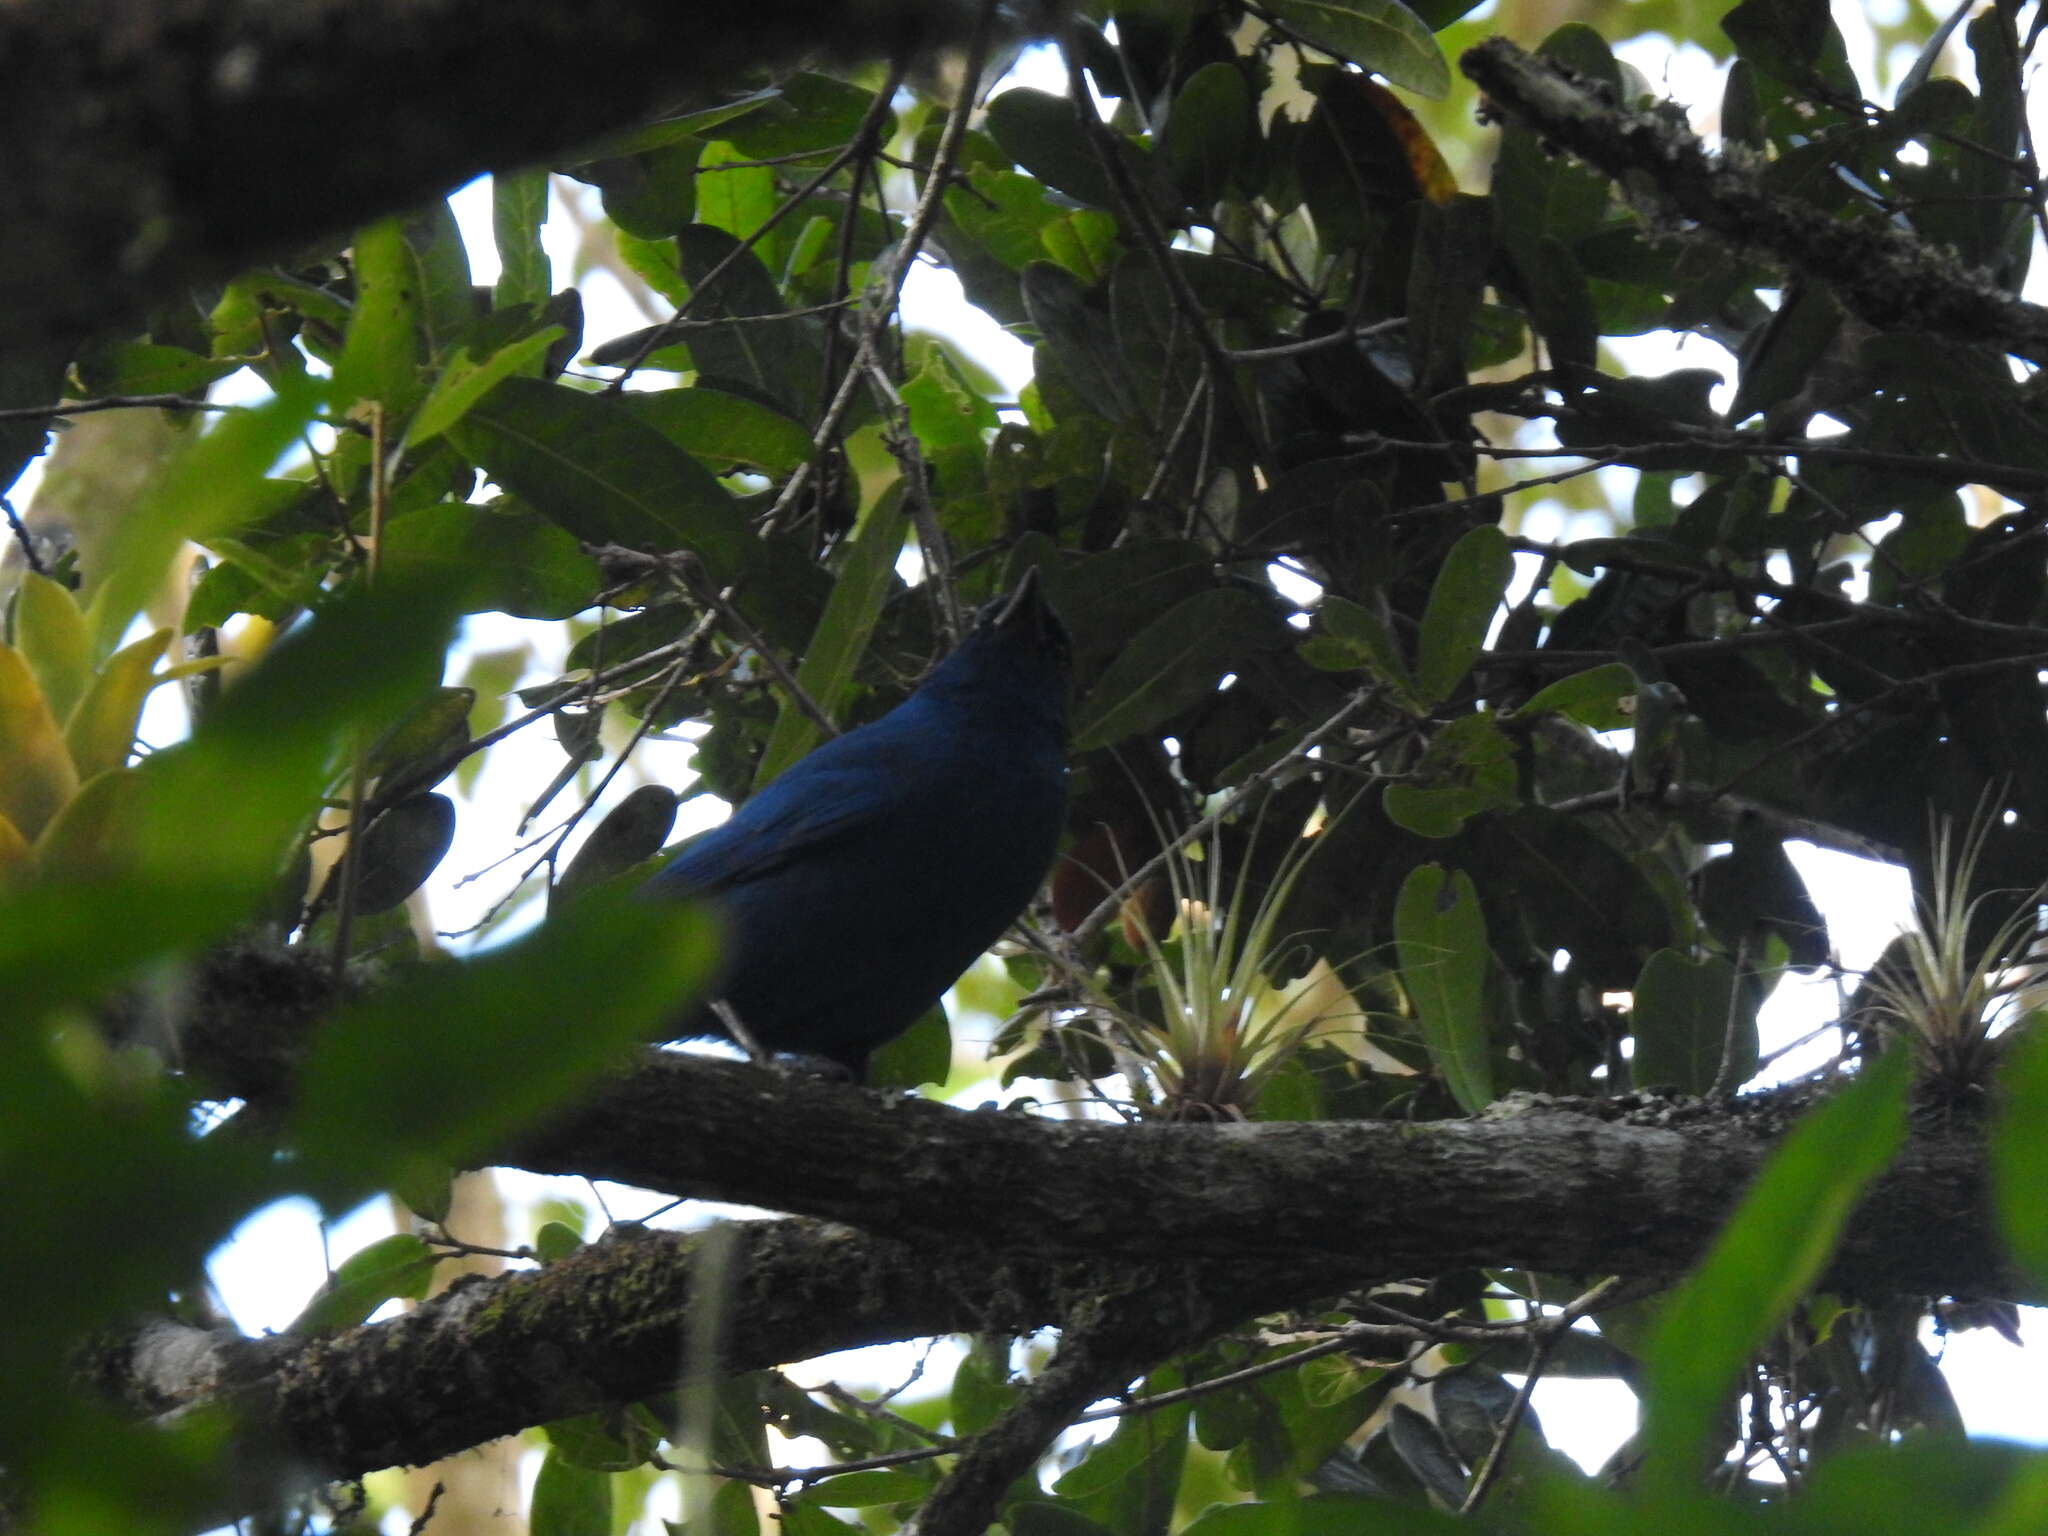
x=1016, y=655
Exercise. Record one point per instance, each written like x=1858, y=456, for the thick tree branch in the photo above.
x=155, y=143
x=608, y=1325
x=990, y=1221
x=1885, y=276
x=1633, y=1186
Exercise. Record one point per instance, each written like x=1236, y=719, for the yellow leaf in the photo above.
x=54, y=639
x=102, y=729
x=36, y=776
x=15, y=857
x=95, y=832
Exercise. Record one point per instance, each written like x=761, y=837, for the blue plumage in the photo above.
x=863, y=880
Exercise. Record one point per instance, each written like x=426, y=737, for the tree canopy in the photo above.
x=1445, y=695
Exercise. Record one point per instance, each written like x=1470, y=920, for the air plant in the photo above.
x=1221, y=1031
x=1948, y=994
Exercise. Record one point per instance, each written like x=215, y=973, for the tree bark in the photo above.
x=944, y=1220
x=154, y=144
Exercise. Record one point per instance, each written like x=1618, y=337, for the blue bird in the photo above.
x=859, y=884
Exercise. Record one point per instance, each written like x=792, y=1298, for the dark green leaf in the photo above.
x=505, y=558
x=1773, y=1248
x=1681, y=1021
x=810, y=113
x=591, y=465
x=630, y=835
x=1040, y=132
x=1327, y=1515
x=1208, y=134
x=719, y=429
x=401, y=849
x=1384, y=36
x=1176, y=661
x=864, y=1490
x=1441, y=939
x=1575, y=890
x=2019, y=1148
x=1129, y=1481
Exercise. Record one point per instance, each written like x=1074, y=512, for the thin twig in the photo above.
x=115, y=403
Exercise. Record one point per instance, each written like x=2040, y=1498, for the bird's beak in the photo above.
x=1023, y=598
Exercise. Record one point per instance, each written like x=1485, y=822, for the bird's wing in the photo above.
x=774, y=829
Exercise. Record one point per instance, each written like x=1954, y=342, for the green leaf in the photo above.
x=1575, y=891
x=1468, y=769
x=1593, y=698
x=763, y=348
x=1440, y=936
x=1769, y=1255
x=923, y=1053
x=982, y=1389
x=721, y=429
x=616, y=1440
x=1680, y=1023
x=401, y=1265
x=810, y=114
x=1383, y=36
x=381, y=360
x=1176, y=661
x=826, y=673
x=2019, y=1148
x=1003, y=211
x=595, y=468
x=213, y=486
x=1462, y=603
x=398, y=1078
x=1130, y=1481
x=865, y=1490
x=466, y=380
x=1367, y=635
x=1327, y=1514
x=556, y=1240
x=946, y=410
x=222, y=808
x=689, y=125
x=503, y=558
x=145, y=368
x=519, y=207
x=569, y=1500
x=1083, y=241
